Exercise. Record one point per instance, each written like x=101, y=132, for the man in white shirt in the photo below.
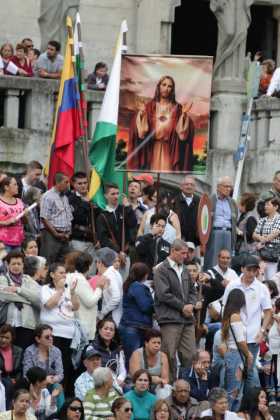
x=274, y=85
x=91, y=361
x=112, y=294
x=223, y=267
x=258, y=304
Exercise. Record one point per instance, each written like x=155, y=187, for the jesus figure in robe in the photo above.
x=162, y=132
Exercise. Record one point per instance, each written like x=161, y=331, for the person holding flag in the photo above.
x=116, y=222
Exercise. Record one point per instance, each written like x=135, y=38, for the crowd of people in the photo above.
x=26, y=61
x=113, y=313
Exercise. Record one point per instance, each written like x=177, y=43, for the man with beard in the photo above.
x=49, y=64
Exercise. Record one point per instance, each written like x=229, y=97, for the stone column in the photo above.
x=11, y=108
x=93, y=113
x=39, y=110
x=154, y=20
x=229, y=98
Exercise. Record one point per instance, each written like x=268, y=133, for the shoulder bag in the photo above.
x=269, y=252
x=243, y=358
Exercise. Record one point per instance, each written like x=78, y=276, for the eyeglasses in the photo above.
x=75, y=408
x=127, y=409
x=163, y=410
x=47, y=337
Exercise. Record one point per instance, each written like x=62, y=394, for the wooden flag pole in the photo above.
x=84, y=126
x=157, y=191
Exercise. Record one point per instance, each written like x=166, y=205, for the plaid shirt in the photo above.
x=267, y=226
x=55, y=208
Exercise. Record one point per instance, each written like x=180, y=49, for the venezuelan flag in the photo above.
x=67, y=125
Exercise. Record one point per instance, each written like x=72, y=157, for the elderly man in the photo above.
x=223, y=234
x=198, y=375
x=186, y=207
x=84, y=383
x=175, y=298
x=98, y=401
x=183, y=406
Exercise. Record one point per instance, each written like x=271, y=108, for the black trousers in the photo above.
x=69, y=374
x=24, y=337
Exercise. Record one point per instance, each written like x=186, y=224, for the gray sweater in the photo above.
x=170, y=296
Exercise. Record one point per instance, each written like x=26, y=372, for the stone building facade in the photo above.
x=151, y=25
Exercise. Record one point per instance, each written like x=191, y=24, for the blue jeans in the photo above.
x=233, y=384
x=132, y=339
x=253, y=376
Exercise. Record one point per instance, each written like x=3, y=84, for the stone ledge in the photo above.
x=37, y=84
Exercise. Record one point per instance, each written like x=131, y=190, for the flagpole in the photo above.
x=253, y=83
x=84, y=140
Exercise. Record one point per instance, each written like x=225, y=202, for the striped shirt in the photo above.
x=97, y=407
x=56, y=209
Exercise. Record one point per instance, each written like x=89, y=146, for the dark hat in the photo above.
x=90, y=352
x=106, y=255
x=251, y=261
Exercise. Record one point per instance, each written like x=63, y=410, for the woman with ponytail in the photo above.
x=237, y=356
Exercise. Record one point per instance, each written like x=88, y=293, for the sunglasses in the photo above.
x=127, y=409
x=47, y=337
x=74, y=408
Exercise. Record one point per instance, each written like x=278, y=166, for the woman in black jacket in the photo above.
x=10, y=361
x=107, y=343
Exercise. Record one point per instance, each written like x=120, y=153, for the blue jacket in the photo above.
x=138, y=306
x=199, y=387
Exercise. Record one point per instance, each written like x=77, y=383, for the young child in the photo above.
x=98, y=80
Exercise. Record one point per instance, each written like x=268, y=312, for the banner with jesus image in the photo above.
x=163, y=122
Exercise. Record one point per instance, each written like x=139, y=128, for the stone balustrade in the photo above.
x=27, y=108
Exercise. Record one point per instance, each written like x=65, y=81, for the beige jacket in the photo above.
x=29, y=295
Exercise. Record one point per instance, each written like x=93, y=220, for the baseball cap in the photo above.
x=90, y=352
x=251, y=261
x=145, y=177
x=190, y=245
x=106, y=255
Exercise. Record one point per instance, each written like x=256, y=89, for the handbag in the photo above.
x=243, y=358
x=269, y=252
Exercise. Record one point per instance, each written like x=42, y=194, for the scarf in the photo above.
x=15, y=278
